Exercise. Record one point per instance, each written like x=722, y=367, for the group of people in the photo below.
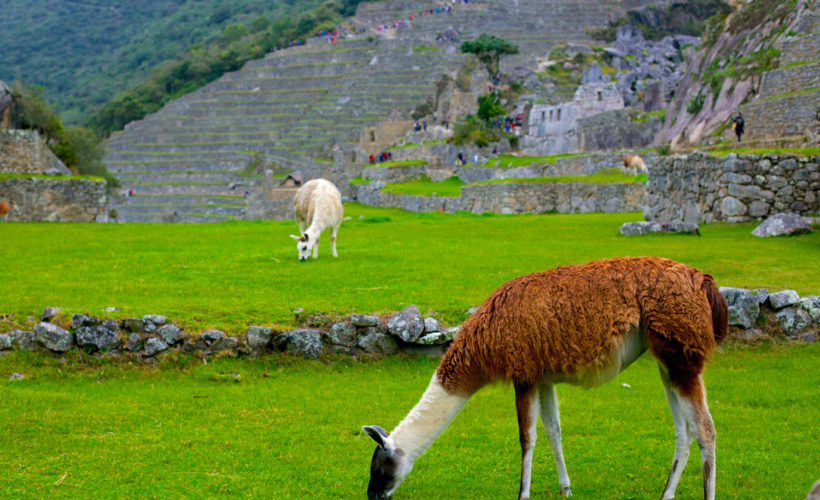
x=510, y=123
x=418, y=126
x=446, y=9
x=383, y=157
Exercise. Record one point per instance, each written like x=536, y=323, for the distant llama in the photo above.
x=635, y=163
x=581, y=325
x=4, y=210
x=318, y=206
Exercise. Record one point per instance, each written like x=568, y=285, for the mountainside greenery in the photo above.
x=85, y=52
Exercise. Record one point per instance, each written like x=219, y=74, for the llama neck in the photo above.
x=427, y=420
x=314, y=231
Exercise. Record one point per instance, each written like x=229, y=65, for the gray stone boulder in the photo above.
x=407, y=324
x=259, y=337
x=80, y=320
x=364, y=320
x=646, y=227
x=52, y=337
x=304, y=342
x=376, y=342
x=592, y=74
x=228, y=344
x=793, y=320
x=762, y=295
x=744, y=306
x=211, y=336
x=132, y=325
x=343, y=334
x=782, y=224
x=154, y=346
x=134, y=342
x=5, y=341
x=98, y=337
x=153, y=321
x=811, y=304
x=23, y=339
x=438, y=338
x=170, y=334
x=49, y=313
x=431, y=325
x=783, y=298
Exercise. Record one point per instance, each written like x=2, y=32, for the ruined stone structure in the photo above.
x=553, y=128
x=24, y=151
x=270, y=199
x=53, y=199
x=5, y=106
x=738, y=188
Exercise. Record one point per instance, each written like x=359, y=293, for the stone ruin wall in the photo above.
x=738, y=188
x=57, y=199
x=25, y=152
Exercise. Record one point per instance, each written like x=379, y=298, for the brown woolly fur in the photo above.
x=570, y=322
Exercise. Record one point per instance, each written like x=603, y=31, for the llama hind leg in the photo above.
x=333, y=232
x=527, y=406
x=694, y=406
x=552, y=424
x=684, y=434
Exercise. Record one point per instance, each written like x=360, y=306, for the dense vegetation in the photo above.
x=291, y=429
x=228, y=275
x=84, y=53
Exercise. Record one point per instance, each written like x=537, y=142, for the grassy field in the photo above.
x=231, y=274
x=291, y=429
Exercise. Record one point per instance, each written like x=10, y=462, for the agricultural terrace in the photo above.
x=229, y=275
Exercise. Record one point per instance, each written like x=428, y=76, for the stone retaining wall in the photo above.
x=59, y=199
x=25, y=152
x=753, y=315
x=516, y=197
x=738, y=188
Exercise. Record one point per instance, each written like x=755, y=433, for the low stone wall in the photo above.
x=738, y=188
x=516, y=197
x=25, y=152
x=758, y=314
x=59, y=199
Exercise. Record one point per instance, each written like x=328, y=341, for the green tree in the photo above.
x=489, y=106
x=489, y=49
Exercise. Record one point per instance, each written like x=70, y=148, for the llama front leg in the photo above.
x=526, y=406
x=683, y=437
x=333, y=241
x=552, y=424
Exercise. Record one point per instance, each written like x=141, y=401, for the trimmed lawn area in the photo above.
x=230, y=274
x=290, y=429
x=450, y=187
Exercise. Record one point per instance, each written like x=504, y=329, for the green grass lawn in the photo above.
x=512, y=161
x=231, y=274
x=290, y=429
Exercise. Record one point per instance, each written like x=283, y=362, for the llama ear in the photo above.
x=380, y=436
x=305, y=237
x=297, y=238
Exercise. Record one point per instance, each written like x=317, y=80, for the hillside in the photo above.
x=84, y=52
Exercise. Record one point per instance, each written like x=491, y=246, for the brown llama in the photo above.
x=580, y=325
x=4, y=209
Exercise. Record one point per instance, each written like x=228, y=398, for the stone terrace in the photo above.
x=295, y=106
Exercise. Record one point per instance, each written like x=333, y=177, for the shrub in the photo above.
x=695, y=104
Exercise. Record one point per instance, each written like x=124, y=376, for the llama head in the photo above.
x=388, y=467
x=303, y=246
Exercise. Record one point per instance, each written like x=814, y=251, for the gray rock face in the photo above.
x=22, y=339
x=376, y=342
x=438, y=338
x=793, y=320
x=783, y=298
x=811, y=304
x=170, y=334
x=782, y=224
x=762, y=295
x=5, y=341
x=52, y=337
x=132, y=325
x=592, y=74
x=134, y=342
x=49, y=313
x=79, y=320
x=343, y=334
x=431, y=325
x=364, y=320
x=154, y=346
x=646, y=227
x=304, y=342
x=259, y=337
x=226, y=344
x=156, y=319
x=98, y=337
x=211, y=336
x=407, y=324
x=744, y=306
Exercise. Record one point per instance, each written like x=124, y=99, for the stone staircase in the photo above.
x=189, y=161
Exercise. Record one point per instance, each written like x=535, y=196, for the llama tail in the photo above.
x=720, y=310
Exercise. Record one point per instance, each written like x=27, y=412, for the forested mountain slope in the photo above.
x=85, y=51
